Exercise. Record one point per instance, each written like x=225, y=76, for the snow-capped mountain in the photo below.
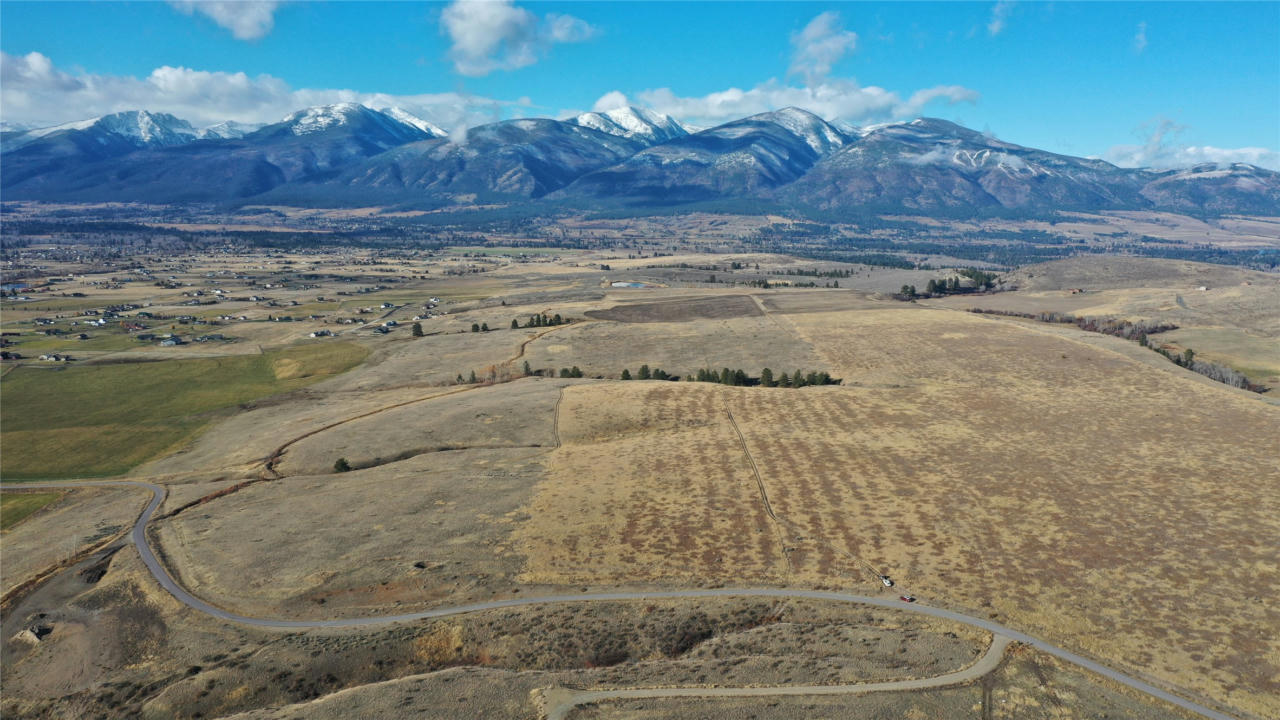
x=136, y=127
x=930, y=163
x=1233, y=187
x=816, y=132
x=338, y=153
x=227, y=130
x=408, y=118
x=524, y=158
x=743, y=158
x=630, y=122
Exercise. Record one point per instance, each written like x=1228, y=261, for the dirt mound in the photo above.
x=684, y=310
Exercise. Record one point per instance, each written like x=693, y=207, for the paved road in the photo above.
x=139, y=538
x=561, y=702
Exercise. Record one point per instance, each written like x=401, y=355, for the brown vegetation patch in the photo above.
x=1113, y=507
x=682, y=310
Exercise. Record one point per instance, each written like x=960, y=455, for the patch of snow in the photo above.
x=816, y=132
x=404, y=116
x=321, y=117
x=631, y=122
x=226, y=130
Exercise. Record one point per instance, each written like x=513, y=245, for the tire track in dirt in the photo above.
x=764, y=498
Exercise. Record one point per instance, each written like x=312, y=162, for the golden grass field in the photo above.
x=1073, y=485
x=1056, y=486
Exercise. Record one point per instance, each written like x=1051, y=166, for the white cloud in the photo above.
x=33, y=90
x=1140, y=39
x=833, y=99
x=999, y=13
x=246, y=19
x=611, y=101
x=489, y=35
x=1162, y=151
x=820, y=45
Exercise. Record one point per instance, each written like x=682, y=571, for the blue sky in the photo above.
x=1137, y=83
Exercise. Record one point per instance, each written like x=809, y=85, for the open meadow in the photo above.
x=1071, y=485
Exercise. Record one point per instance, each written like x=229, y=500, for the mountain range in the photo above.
x=351, y=154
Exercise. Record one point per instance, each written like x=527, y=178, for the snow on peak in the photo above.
x=139, y=127
x=226, y=130
x=632, y=122
x=816, y=132
x=315, y=119
x=146, y=128
x=404, y=116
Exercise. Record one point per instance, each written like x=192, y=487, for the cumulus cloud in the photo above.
x=1140, y=38
x=489, y=35
x=999, y=14
x=833, y=99
x=246, y=19
x=611, y=101
x=820, y=45
x=1162, y=150
x=816, y=49
x=33, y=90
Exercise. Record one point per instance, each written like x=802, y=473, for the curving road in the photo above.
x=561, y=702
x=139, y=538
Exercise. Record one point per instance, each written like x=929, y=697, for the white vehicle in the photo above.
x=886, y=580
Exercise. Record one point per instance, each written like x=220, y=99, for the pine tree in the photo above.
x=417, y=329
x=527, y=370
x=475, y=327
x=484, y=327
x=626, y=374
x=515, y=324
x=766, y=378
x=342, y=466
x=644, y=373
x=472, y=379
x=797, y=380
x=575, y=372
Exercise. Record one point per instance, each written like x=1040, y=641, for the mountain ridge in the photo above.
x=625, y=156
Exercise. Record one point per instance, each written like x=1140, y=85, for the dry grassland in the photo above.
x=1255, y=355
x=501, y=416
x=423, y=531
x=80, y=519
x=1065, y=489
x=605, y=348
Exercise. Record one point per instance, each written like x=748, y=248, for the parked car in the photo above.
x=907, y=598
x=887, y=582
